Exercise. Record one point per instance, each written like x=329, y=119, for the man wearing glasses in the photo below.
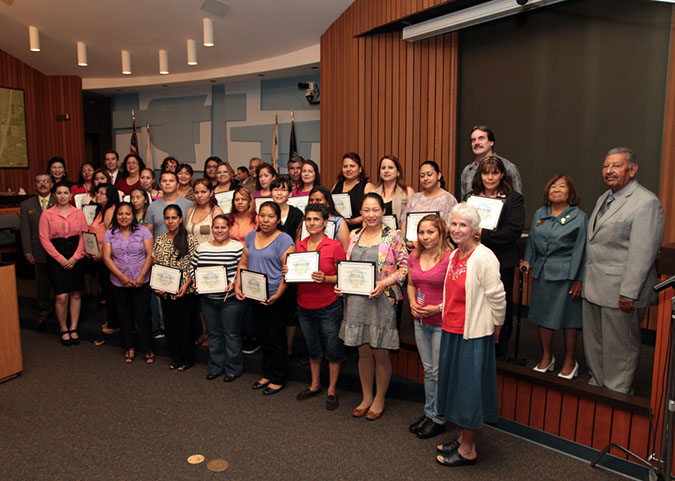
x=29, y=215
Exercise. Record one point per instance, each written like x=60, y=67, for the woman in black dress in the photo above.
x=352, y=180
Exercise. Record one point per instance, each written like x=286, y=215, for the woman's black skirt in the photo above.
x=66, y=280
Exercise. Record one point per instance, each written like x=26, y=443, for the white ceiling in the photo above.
x=254, y=36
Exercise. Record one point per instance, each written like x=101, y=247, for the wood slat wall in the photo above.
x=45, y=97
x=381, y=95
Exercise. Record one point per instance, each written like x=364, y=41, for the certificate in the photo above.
x=224, y=200
x=390, y=221
x=89, y=212
x=300, y=202
x=343, y=205
x=301, y=265
x=165, y=279
x=356, y=277
x=90, y=243
x=259, y=201
x=254, y=285
x=411, y=221
x=329, y=230
x=212, y=279
x=79, y=200
x=489, y=210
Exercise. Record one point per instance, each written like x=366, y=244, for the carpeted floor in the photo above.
x=80, y=413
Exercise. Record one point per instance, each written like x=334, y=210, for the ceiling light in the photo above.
x=34, y=39
x=471, y=16
x=191, y=52
x=163, y=62
x=208, y=32
x=81, y=54
x=126, y=62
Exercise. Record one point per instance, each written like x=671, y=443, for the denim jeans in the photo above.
x=321, y=328
x=225, y=321
x=428, y=340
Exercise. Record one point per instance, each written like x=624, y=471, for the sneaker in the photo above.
x=250, y=345
x=158, y=334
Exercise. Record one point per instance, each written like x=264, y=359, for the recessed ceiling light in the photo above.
x=208, y=32
x=81, y=54
x=163, y=62
x=126, y=62
x=191, y=52
x=34, y=38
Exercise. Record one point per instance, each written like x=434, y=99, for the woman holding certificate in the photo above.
x=264, y=255
x=554, y=257
x=391, y=187
x=473, y=312
x=175, y=250
x=127, y=253
x=426, y=272
x=223, y=312
x=243, y=218
x=491, y=181
x=353, y=181
x=370, y=320
x=321, y=195
x=61, y=228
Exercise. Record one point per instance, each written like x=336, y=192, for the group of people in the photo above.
x=457, y=276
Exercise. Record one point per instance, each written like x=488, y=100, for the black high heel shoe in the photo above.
x=74, y=340
x=65, y=342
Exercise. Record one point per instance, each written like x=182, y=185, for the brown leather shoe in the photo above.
x=372, y=416
x=359, y=413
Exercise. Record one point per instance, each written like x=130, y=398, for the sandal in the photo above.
x=185, y=366
x=174, y=365
x=454, y=460
x=65, y=342
x=74, y=340
x=449, y=448
x=129, y=357
x=202, y=339
x=107, y=330
x=150, y=358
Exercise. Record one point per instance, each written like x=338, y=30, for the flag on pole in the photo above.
x=275, y=144
x=148, y=147
x=133, y=149
x=293, y=149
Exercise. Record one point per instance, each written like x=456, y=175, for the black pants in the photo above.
x=44, y=287
x=270, y=323
x=507, y=274
x=112, y=316
x=133, y=307
x=179, y=323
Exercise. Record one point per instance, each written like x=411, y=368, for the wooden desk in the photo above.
x=11, y=363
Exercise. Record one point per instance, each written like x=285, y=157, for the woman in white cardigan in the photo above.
x=473, y=309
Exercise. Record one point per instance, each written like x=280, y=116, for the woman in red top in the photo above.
x=132, y=167
x=319, y=309
x=61, y=229
x=309, y=178
x=85, y=182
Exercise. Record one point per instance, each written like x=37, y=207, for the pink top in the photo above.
x=454, y=309
x=429, y=285
x=239, y=233
x=258, y=194
x=54, y=224
x=298, y=193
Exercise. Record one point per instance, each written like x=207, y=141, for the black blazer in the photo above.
x=502, y=240
x=292, y=223
x=29, y=218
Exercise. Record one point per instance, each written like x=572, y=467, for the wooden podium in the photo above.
x=10, y=339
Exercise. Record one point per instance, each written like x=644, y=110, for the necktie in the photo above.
x=44, y=203
x=604, y=208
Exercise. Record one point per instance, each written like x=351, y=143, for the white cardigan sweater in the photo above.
x=485, y=296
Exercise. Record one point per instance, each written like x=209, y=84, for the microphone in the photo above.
x=664, y=285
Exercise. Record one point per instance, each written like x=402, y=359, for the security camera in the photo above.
x=311, y=92
x=521, y=2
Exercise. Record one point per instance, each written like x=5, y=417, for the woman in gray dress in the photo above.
x=370, y=322
x=554, y=257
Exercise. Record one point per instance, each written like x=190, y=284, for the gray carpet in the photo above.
x=80, y=413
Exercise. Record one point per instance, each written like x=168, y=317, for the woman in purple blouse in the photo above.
x=127, y=252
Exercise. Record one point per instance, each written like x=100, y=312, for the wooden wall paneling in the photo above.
x=395, y=91
x=413, y=366
x=500, y=393
x=367, y=130
x=417, y=88
x=538, y=407
x=585, y=420
x=509, y=399
x=393, y=357
x=666, y=191
x=363, y=101
x=382, y=92
x=620, y=431
x=602, y=426
x=553, y=412
x=439, y=124
x=568, y=416
x=390, y=48
x=640, y=436
x=523, y=402
x=423, y=136
x=403, y=99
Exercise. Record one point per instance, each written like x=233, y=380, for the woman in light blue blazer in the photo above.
x=554, y=257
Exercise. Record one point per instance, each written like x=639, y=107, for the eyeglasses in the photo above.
x=43, y=181
x=87, y=170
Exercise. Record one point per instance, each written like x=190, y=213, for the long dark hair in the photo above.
x=141, y=165
x=435, y=166
x=329, y=198
x=146, y=196
x=180, y=242
x=277, y=211
x=80, y=179
x=268, y=167
x=111, y=194
x=357, y=160
x=317, y=175
x=134, y=222
x=206, y=182
x=504, y=186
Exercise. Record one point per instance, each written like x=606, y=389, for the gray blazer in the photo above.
x=622, y=247
x=29, y=218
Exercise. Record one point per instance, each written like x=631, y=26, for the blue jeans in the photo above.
x=224, y=320
x=428, y=340
x=321, y=328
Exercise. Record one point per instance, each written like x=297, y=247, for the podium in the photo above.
x=11, y=363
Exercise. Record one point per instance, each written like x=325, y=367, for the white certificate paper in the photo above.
x=254, y=285
x=356, y=277
x=300, y=202
x=210, y=280
x=224, y=200
x=489, y=209
x=301, y=265
x=89, y=213
x=79, y=200
x=259, y=201
x=343, y=205
x=329, y=230
x=165, y=279
x=390, y=221
x=90, y=243
x=411, y=222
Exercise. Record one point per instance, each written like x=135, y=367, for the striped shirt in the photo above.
x=227, y=255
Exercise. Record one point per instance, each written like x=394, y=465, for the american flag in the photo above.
x=133, y=149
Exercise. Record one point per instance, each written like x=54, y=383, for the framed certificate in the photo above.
x=329, y=230
x=254, y=285
x=411, y=221
x=259, y=201
x=224, y=200
x=300, y=202
x=489, y=209
x=90, y=243
x=343, y=205
x=356, y=277
x=79, y=200
x=89, y=212
x=165, y=279
x=301, y=265
x=212, y=279
x=390, y=221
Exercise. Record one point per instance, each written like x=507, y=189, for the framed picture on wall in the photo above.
x=13, y=144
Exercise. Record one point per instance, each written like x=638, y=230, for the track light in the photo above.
x=191, y=52
x=208, y=32
x=126, y=62
x=34, y=38
x=163, y=62
x=81, y=54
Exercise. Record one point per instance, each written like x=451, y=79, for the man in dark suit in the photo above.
x=30, y=212
x=625, y=233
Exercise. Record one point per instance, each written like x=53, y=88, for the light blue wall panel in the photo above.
x=283, y=94
x=305, y=134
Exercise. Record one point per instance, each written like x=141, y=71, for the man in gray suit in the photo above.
x=29, y=216
x=624, y=235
